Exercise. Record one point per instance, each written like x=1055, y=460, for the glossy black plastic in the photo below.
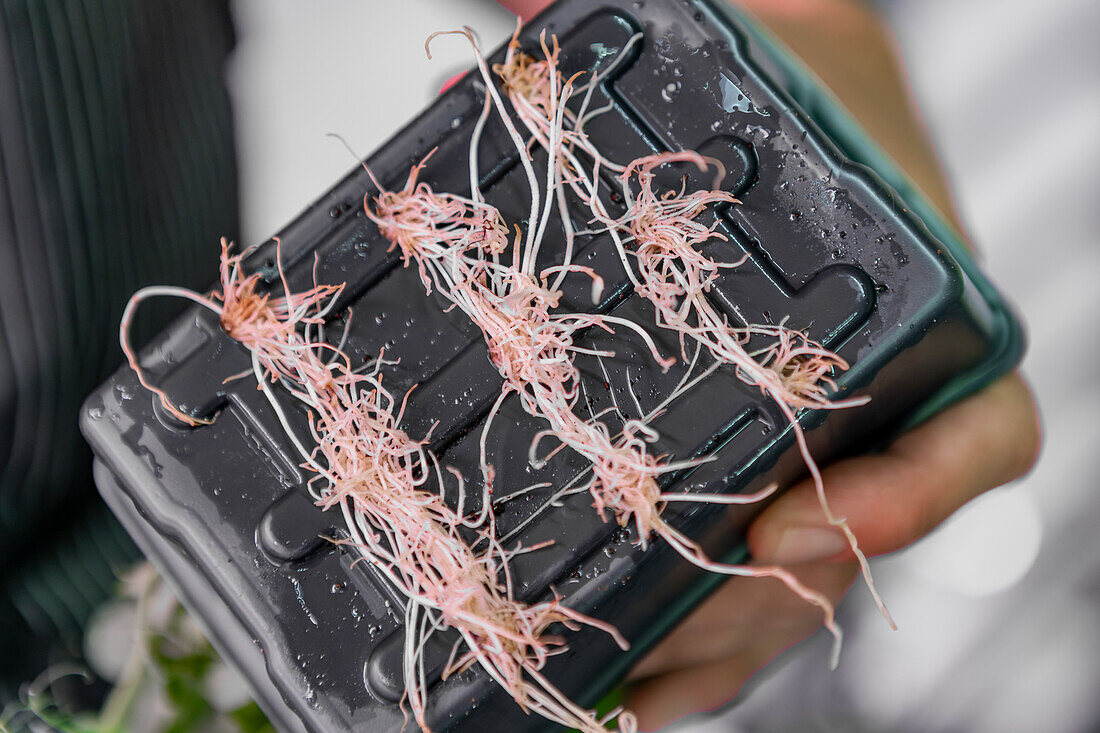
x=830, y=248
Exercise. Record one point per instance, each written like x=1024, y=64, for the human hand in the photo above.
x=890, y=499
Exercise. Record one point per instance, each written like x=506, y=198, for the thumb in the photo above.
x=894, y=498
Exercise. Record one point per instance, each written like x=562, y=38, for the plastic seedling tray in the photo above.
x=866, y=267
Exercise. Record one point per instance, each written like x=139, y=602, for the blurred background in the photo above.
x=999, y=610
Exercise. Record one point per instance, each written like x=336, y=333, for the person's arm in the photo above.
x=890, y=499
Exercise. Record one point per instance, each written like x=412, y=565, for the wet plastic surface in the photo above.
x=830, y=249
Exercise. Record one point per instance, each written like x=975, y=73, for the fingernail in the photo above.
x=808, y=544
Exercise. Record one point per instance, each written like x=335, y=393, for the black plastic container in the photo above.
x=222, y=508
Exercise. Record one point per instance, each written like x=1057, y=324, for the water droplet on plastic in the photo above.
x=716, y=125
x=670, y=90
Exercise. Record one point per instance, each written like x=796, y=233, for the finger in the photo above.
x=525, y=9
x=733, y=618
x=661, y=700
x=707, y=681
x=896, y=497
